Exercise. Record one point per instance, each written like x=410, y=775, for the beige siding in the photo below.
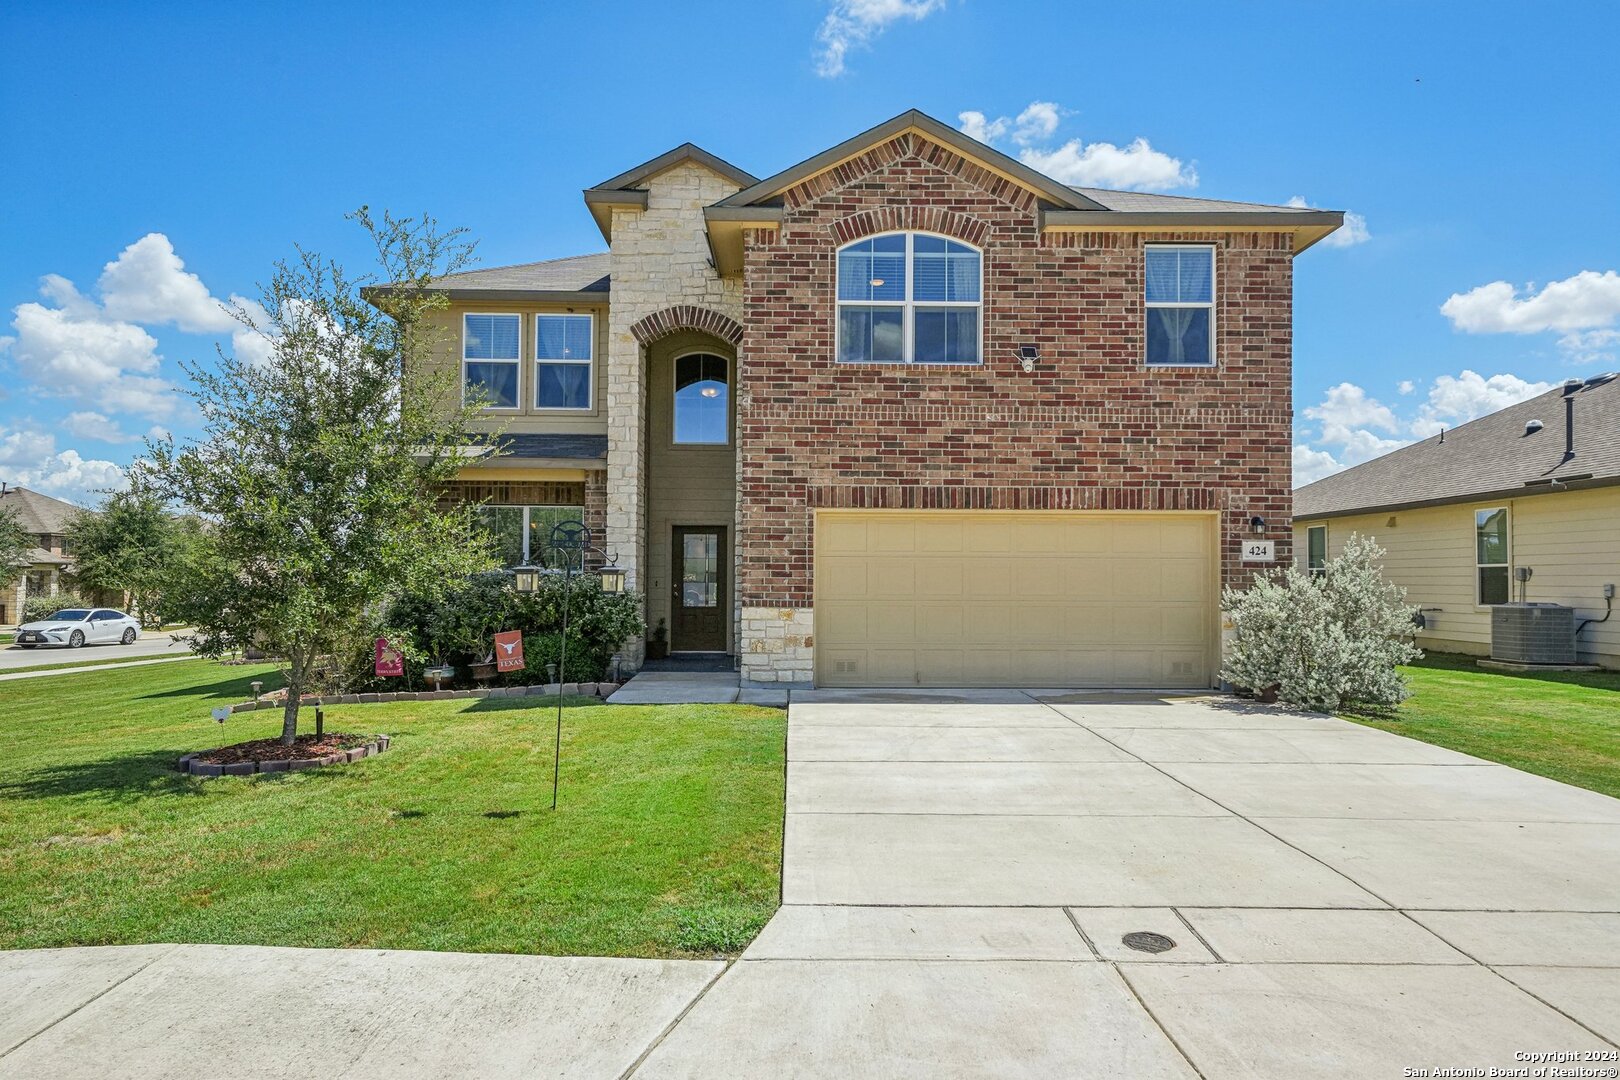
x=1570, y=540
x=527, y=419
x=687, y=485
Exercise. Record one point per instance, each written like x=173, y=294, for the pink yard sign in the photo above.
x=509, y=651
x=390, y=661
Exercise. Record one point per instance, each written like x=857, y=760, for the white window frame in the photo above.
x=516, y=361
x=1507, y=521
x=1214, y=296
x=1317, y=570
x=528, y=556
x=908, y=306
x=590, y=377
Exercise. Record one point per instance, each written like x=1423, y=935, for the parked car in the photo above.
x=73, y=627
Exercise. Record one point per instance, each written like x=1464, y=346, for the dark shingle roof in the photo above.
x=1489, y=456
x=577, y=273
x=584, y=447
x=1146, y=202
x=38, y=513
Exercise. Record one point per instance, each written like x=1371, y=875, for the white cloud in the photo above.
x=1038, y=121
x=855, y=23
x=149, y=284
x=1100, y=164
x=1587, y=301
x=1590, y=346
x=30, y=459
x=93, y=425
x=1352, y=232
x=1353, y=426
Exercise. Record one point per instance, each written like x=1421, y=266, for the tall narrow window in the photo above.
x=909, y=298
x=1180, y=294
x=489, y=359
x=1491, y=554
x=562, y=361
x=702, y=400
x=1316, y=549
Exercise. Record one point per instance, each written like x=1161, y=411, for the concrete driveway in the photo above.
x=961, y=871
x=152, y=643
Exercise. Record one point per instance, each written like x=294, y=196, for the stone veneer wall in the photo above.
x=1090, y=428
x=660, y=259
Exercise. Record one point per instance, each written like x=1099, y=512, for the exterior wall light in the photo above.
x=1257, y=524
x=526, y=579
x=612, y=580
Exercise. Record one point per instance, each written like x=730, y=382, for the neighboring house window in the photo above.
x=562, y=361
x=489, y=359
x=909, y=298
x=1491, y=555
x=701, y=400
x=521, y=535
x=1316, y=549
x=1180, y=294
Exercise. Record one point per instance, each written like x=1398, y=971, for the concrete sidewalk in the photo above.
x=966, y=879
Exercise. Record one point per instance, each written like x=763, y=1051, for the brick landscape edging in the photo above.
x=600, y=690
x=190, y=764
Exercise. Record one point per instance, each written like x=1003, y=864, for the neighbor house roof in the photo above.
x=38, y=513
x=1496, y=456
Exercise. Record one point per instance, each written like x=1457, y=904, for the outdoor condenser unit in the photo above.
x=1533, y=633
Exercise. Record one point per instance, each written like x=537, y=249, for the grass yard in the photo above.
x=1563, y=725
x=667, y=840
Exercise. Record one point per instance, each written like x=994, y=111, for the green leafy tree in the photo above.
x=130, y=545
x=15, y=545
x=318, y=472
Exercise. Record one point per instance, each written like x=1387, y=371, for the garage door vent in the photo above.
x=847, y=667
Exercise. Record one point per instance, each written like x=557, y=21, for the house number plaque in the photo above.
x=1259, y=551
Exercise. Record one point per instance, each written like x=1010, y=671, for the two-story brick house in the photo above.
x=907, y=413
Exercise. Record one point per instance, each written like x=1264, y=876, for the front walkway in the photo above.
x=961, y=874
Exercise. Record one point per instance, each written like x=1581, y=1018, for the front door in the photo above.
x=699, y=602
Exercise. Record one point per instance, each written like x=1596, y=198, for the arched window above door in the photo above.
x=702, y=400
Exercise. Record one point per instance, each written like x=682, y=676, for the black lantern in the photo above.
x=526, y=579
x=612, y=579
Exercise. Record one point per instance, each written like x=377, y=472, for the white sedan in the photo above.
x=73, y=627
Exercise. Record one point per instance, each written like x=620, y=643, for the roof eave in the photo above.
x=601, y=201
x=725, y=229
x=533, y=296
x=1308, y=226
x=1522, y=491
x=631, y=178
x=913, y=120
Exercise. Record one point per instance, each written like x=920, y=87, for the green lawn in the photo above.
x=67, y=665
x=667, y=840
x=1559, y=724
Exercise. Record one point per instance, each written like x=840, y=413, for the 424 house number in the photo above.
x=1259, y=551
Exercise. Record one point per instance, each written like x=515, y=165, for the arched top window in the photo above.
x=702, y=400
x=909, y=298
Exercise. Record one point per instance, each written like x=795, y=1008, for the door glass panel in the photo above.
x=700, y=570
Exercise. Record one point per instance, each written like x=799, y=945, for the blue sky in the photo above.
x=1475, y=140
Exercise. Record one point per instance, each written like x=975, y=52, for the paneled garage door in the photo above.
x=1038, y=598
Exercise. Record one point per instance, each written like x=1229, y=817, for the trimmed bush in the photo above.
x=1326, y=640
x=39, y=608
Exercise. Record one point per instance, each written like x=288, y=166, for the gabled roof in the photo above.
x=38, y=513
x=771, y=188
x=626, y=189
x=1492, y=457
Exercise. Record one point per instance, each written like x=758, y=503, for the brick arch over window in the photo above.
x=687, y=317
x=884, y=219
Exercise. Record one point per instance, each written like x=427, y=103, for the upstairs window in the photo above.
x=1180, y=294
x=909, y=298
x=1491, y=555
x=563, y=347
x=702, y=403
x=489, y=359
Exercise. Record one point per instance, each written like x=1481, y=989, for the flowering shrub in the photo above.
x=1324, y=640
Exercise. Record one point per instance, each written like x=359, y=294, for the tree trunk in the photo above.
x=296, y=670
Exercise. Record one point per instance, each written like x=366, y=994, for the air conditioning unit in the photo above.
x=1533, y=633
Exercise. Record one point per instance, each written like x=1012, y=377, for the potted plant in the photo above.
x=658, y=644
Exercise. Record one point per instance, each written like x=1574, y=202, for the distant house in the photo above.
x=50, y=566
x=1534, y=487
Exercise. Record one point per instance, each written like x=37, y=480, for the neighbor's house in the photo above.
x=1534, y=487
x=49, y=565
x=908, y=412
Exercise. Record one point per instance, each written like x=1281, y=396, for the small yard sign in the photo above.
x=509, y=651
x=390, y=661
x=1259, y=551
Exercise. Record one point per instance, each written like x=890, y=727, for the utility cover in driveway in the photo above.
x=1033, y=598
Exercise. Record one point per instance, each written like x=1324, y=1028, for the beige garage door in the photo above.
x=983, y=598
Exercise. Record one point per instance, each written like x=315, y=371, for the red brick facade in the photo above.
x=1091, y=427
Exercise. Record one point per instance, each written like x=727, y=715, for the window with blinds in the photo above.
x=910, y=298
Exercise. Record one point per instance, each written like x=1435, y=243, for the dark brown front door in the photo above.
x=699, y=603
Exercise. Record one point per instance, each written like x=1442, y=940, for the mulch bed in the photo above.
x=304, y=746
